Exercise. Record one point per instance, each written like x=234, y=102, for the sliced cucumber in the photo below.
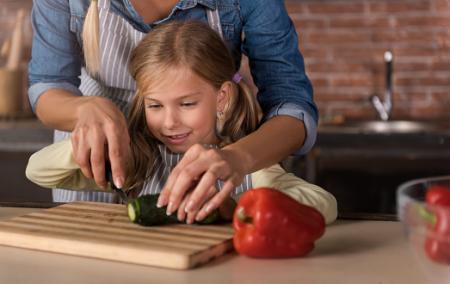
x=133, y=211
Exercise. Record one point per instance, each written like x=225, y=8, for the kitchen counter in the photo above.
x=351, y=252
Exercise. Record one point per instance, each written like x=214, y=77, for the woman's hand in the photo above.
x=226, y=209
x=202, y=167
x=101, y=130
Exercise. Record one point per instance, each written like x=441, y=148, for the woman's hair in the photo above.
x=192, y=45
x=91, y=39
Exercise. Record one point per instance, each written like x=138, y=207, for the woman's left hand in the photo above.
x=202, y=167
x=226, y=209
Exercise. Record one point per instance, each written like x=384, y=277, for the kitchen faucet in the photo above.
x=384, y=107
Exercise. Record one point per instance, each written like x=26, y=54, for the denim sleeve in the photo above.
x=298, y=112
x=277, y=65
x=56, y=57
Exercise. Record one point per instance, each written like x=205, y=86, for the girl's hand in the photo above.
x=203, y=167
x=101, y=129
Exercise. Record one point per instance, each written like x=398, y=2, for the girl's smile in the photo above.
x=178, y=139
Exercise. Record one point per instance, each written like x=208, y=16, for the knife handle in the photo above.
x=108, y=173
x=109, y=178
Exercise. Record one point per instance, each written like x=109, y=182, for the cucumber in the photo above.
x=143, y=211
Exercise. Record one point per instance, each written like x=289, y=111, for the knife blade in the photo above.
x=123, y=196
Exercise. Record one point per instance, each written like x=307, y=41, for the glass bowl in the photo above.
x=427, y=227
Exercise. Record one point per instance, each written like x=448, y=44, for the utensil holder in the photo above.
x=11, y=92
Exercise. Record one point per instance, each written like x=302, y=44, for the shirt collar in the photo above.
x=187, y=4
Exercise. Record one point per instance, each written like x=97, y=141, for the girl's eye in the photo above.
x=154, y=106
x=188, y=104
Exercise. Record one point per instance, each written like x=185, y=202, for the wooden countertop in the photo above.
x=351, y=252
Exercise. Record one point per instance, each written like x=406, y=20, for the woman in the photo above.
x=90, y=104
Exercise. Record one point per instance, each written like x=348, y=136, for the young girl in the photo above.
x=187, y=95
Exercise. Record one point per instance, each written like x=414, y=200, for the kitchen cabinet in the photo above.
x=362, y=163
x=18, y=140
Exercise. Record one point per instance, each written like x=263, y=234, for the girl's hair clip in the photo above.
x=237, y=78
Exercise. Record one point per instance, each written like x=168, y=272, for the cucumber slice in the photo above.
x=133, y=211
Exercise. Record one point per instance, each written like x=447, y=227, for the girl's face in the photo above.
x=181, y=110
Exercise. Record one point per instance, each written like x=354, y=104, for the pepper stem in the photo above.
x=428, y=216
x=243, y=217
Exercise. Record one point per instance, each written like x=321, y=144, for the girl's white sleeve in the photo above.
x=54, y=166
x=297, y=188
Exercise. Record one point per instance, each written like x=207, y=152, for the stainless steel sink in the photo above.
x=396, y=137
x=388, y=127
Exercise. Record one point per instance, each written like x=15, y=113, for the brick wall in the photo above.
x=343, y=42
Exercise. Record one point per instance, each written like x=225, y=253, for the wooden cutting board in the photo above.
x=102, y=230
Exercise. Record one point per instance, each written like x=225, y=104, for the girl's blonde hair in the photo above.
x=91, y=39
x=199, y=48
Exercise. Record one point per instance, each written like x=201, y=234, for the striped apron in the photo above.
x=167, y=162
x=117, y=40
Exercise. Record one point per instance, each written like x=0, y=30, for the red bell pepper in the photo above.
x=437, y=244
x=270, y=224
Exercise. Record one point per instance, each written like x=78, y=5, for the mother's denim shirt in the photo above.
x=270, y=43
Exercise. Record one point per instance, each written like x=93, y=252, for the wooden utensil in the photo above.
x=11, y=90
x=101, y=230
x=11, y=81
x=16, y=47
x=6, y=46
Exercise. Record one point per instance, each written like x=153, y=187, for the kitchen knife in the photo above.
x=123, y=196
